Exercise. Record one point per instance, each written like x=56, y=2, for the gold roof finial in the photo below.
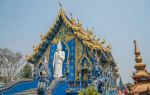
x=73, y=21
x=59, y=4
x=138, y=57
x=79, y=23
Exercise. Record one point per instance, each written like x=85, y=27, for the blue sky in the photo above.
x=118, y=21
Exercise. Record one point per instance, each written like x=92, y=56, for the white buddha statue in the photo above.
x=59, y=58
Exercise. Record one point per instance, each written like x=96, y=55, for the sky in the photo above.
x=118, y=21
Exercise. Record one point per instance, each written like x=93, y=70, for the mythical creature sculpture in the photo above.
x=43, y=79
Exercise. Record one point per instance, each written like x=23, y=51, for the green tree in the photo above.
x=90, y=90
x=27, y=71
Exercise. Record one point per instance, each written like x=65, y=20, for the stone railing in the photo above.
x=13, y=83
x=53, y=85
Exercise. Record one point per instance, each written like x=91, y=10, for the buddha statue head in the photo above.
x=59, y=46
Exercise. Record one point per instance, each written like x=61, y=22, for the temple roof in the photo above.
x=85, y=36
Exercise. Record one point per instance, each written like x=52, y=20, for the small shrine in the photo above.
x=141, y=77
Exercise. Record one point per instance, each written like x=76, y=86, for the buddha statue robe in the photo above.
x=59, y=58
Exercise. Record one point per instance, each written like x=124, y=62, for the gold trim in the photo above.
x=76, y=61
x=87, y=38
x=85, y=56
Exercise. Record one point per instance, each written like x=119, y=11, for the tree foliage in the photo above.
x=9, y=62
x=90, y=90
x=27, y=71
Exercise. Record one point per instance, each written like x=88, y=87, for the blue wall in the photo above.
x=71, y=44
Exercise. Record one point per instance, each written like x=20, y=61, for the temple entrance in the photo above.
x=84, y=74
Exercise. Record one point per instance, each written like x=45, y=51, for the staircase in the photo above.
x=28, y=92
x=53, y=85
x=19, y=86
x=9, y=85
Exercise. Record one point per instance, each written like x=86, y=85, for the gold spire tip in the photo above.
x=138, y=57
x=136, y=51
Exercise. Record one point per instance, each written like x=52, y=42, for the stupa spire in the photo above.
x=138, y=57
x=139, y=66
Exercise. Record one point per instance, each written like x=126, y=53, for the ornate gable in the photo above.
x=65, y=29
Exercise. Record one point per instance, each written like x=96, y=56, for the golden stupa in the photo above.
x=141, y=76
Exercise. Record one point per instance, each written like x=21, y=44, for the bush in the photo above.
x=27, y=71
x=90, y=90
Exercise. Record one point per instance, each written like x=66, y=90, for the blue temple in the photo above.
x=88, y=61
